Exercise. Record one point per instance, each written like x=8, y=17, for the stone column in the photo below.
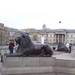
x=55, y=38
x=65, y=38
x=62, y=37
x=58, y=38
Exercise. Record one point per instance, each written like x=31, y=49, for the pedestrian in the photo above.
x=70, y=48
x=67, y=45
x=11, y=46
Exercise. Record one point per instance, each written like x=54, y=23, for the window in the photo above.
x=67, y=35
x=51, y=35
x=71, y=35
x=71, y=41
x=47, y=35
x=54, y=40
x=50, y=39
x=38, y=35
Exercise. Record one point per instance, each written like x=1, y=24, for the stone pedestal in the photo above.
x=37, y=66
x=72, y=53
x=27, y=65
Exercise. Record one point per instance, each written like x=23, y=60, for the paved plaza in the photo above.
x=66, y=56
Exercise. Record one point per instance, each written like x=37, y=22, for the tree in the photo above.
x=35, y=36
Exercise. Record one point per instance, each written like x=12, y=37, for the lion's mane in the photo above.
x=25, y=44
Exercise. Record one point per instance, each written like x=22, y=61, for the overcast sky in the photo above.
x=22, y=14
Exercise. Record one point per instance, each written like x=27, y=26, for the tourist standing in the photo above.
x=11, y=46
x=70, y=48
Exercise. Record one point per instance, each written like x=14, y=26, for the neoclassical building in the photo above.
x=52, y=36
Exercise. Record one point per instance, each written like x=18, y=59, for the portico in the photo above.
x=60, y=36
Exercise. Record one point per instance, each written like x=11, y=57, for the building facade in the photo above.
x=28, y=30
x=2, y=34
x=52, y=36
x=11, y=34
x=7, y=34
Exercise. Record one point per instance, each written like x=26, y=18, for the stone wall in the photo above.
x=37, y=66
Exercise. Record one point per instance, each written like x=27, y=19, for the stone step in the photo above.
x=37, y=70
x=23, y=70
x=26, y=65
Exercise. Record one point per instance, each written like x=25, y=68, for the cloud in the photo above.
x=34, y=13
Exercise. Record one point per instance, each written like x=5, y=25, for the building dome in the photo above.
x=44, y=27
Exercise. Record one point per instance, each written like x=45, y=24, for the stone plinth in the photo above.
x=27, y=65
x=37, y=66
x=73, y=53
x=28, y=61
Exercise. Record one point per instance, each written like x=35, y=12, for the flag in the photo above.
x=59, y=21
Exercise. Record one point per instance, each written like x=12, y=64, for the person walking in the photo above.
x=70, y=48
x=11, y=46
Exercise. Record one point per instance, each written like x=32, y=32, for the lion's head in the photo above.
x=24, y=41
x=22, y=37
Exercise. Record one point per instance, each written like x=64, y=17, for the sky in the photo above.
x=23, y=14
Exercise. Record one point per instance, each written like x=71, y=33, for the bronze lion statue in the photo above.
x=27, y=48
x=62, y=47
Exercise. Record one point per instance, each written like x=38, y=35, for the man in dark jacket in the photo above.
x=70, y=48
